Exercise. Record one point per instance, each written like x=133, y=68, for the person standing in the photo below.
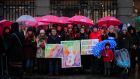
x=134, y=41
x=15, y=51
x=40, y=55
x=30, y=47
x=108, y=56
x=95, y=62
x=124, y=39
x=54, y=62
x=82, y=34
x=95, y=34
x=4, y=46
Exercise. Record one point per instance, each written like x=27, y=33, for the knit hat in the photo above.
x=124, y=27
x=42, y=31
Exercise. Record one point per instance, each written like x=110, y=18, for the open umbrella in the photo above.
x=108, y=20
x=101, y=45
x=122, y=58
x=81, y=20
x=64, y=20
x=137, y=19
x=96, y=51
x=6, y=23
x=27, y=20
x=39, y=23
x=50, y=19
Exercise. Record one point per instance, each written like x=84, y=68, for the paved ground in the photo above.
x=76, y=77
x=132, y=76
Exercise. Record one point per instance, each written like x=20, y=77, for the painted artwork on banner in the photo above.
x=53, y=51
x=71, y=54
x=87, y=45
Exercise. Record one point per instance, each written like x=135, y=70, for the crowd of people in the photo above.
x=24, y=47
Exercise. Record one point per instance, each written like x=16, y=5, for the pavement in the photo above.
x=76, y=77
x=134, y=75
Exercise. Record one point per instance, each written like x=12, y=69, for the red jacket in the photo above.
x=95, y=35
x=107, y=55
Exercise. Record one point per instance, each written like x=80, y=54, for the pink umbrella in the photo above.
x=108, y=20
x=64, y=20
x=81, y=20
x=39, y=23
x=50, y=19
x=6, y=23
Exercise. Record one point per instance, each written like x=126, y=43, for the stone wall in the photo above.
x=125, y=11
x=42, y=7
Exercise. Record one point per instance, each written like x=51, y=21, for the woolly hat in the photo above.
x=42, y=31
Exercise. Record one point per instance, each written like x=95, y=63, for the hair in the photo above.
x=53, y=29
x=15, y=27
x=5, y=29
x=107, y=44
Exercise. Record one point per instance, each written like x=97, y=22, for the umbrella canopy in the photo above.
x=137, y=19
x=39, y=23
x=27, y=20
x=122, y=58
x=108, y=20
x=101, y=45
x=81, y=20
x=64, y=20
x=50, y=19
x=96, y=51
x=6, y=23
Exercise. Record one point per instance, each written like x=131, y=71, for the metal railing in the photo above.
x=94, y=9
x=12, y=9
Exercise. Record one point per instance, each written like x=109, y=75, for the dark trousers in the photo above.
x=42, y=65
x=3, y=65
x=54, y=66
x=107, y=68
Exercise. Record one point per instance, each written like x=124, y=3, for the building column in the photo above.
x=125, y=11
x=42, y=7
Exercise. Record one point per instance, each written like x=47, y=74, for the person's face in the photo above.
x=124, y=31
x=53, y=32
x=82, y=31
x=7, y=31
x=111, y=30
x=30, y=32
x=65, y=29
x=107, y=47
x=95, y=29
x=75, y=28
x=59, y=28
x=42, y=34
x=70, y=29
x=132, y=31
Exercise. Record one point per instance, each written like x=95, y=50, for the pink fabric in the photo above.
x=81, y=20
x=108, y=20
x=50, y=19
x=6, y=23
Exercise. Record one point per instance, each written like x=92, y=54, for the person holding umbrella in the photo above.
x=4, y=46
x=108, y=56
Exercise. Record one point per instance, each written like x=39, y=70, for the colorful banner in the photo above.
x=71, y=54
x=87, y=45
x=53, y=51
